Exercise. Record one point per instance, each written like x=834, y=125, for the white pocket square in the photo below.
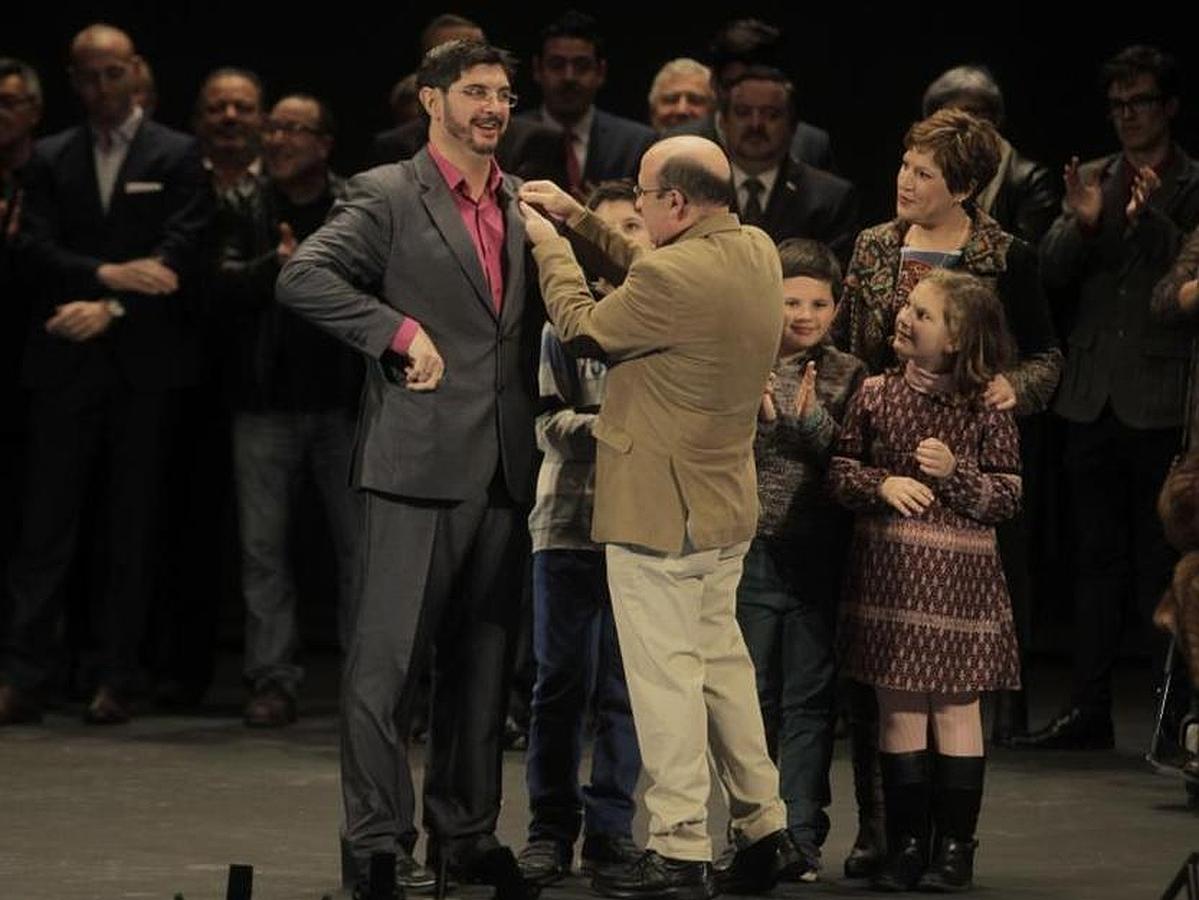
x=142, y=187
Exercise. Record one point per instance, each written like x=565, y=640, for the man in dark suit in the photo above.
x=423, y=269
x=781, y=195
x=1123, y=391
x=570, y=67
x=115, y=215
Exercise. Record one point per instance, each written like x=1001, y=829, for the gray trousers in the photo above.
x=271, y=453
x=443, y=583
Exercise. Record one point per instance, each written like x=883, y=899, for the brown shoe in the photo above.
x=17, y=707
x=270, y=707
x=107, y=708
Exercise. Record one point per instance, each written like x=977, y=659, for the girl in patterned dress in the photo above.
x=929, y=468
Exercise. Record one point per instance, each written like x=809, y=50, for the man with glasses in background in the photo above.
x=422, y=269
x=294, y=390
x=1124, y=386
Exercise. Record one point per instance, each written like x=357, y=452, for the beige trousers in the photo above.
x=691, y=683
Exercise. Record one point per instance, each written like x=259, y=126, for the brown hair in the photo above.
x=965, y=148
x=975, y=319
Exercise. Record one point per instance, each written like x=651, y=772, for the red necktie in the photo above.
x=574, y=175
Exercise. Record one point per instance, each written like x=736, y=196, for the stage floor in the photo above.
x=163, y=805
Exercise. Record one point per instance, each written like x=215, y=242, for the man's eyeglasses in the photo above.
x=639, y=191
x=479, y=94
x=288, y=129
x=1137, y=103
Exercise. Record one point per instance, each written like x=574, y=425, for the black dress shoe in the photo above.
x=601, y=851
x=17, y=707
x=544, y=861
x=952, y=868
x=756, y=869
x=1074, y=729
x=493, y=864
x=653, y=876
x=903, y=866
x=108, y=707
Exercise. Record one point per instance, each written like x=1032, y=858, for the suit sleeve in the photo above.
x=602, y=251
x=1165, y=295
x=72, y=274
x=1035, y=374
x=335, y=277
x=186, y=234
x=634, y=319
x=844, y=227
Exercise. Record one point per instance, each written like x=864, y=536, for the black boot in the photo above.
x=869, y=847
x=906, y=785
x=957, y=796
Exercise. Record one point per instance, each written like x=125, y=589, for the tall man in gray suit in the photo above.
x=422, y=269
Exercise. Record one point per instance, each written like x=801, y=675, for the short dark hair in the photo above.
x=324, y=116
x=801, y=257
x=230, y=72
x=695, y=182
x=445, y=20
x=966, y=149
x=748, y=41
x=574, y=24
x=445, y=63
x=961, y=82
x=33, y=84
x=611, y=191
x=760, y=73
x=1141, y=59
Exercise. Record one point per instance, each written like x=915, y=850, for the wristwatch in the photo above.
x=115, y=308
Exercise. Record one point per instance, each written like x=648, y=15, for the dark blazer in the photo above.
x=808, y=143
x=614, y=147
x=396, y=247
x=806, y=202
x=161, y=206
x=1119, y=353
x=528, y=149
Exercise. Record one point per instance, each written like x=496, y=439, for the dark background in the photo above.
x=860, y=68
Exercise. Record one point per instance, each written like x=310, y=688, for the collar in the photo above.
x=581, y=129
x=456, y=180
x=768, y=178
x=926, y=382
x=126, y=130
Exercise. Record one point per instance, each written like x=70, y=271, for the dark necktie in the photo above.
x=752, y=213
x=574, y=174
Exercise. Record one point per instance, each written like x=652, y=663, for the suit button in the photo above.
x=1120, y=332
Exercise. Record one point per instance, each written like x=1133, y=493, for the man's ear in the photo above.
x=429, y=99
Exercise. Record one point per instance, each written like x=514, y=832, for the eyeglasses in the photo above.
x=1137, y=103
x=479, y=94
x=288, y=129
x=639, y=191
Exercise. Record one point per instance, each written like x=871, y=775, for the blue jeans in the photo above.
x=789, y=632
x=271, y=452
x=578, y=667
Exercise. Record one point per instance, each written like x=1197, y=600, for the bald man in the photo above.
x=115, y=212
x=690, y=335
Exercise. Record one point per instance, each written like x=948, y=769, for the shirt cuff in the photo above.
x=402, y=339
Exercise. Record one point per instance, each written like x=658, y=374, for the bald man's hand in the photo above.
x=537, y=226
x=550, y=199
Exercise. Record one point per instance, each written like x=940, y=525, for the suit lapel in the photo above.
x=132, y=165
x=514, y=257
x=83, y=162
x=595, y=142
x=435, y=194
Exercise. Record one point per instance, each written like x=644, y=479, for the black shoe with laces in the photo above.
x=544, y=861
x=756, y=869
x=654, y=876
x=602, y=851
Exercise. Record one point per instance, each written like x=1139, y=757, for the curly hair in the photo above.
x=975, y=319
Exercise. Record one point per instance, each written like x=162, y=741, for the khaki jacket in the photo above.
x=690, y=336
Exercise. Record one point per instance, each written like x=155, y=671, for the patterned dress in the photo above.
x=925, y=605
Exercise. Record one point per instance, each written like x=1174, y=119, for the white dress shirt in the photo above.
x=110, y=149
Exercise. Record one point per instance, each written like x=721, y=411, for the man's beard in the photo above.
x=464, y=131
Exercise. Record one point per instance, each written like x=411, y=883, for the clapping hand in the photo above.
x=1144, y=184
x=805, y=397
x=1084, y=197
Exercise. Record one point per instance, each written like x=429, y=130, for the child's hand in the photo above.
x=767, y=411
x=909, y=496
x=805, y=397
x=935, y=459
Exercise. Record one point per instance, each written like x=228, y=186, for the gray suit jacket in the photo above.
x=397, y=247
